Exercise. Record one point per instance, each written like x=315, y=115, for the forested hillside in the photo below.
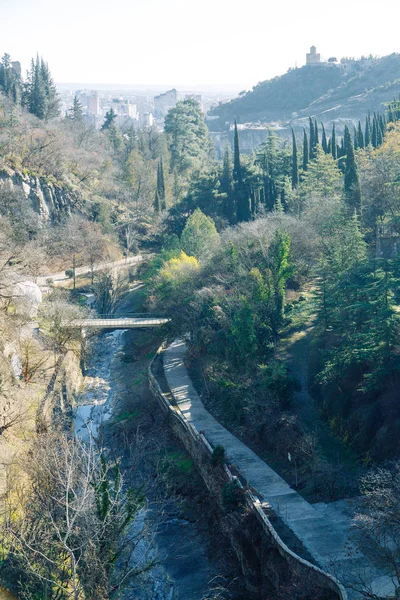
x=326, y=92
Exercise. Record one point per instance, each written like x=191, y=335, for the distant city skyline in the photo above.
x=225, y=43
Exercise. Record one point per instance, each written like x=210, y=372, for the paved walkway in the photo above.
x=326, y=541
x=107, y=266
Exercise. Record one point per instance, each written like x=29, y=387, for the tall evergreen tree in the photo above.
x=382, y=123
x=237, y=168
x=226, y=183
x=161, y=185
x=324, y=140
x=10, y=82
x=334, y=143
x=360, y=136
x=368, y=133
x=75, y=113
x=379, y=135
x=374, y=136
x=305, y=151
x=295, y=165
x=109, y=119
x=342, y=147
x=316, y=136
x=157, y=206
x=312, y=138
x=355, y=138
x=352, y=187
x=243, y=203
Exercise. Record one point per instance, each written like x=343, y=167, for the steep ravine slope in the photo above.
x=48, y=198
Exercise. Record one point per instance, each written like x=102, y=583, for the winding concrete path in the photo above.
x=327, y=541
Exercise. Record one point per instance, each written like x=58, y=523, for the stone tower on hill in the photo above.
x=313, y=58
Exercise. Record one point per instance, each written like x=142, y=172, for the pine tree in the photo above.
x=75, y=113
x=52, y=98
x=352, y=187
x=237, y=168
x=295, y=166
x=40, y=94
x=324, y=140
x=109, y=119
x=305, y=151
x=334, y=143
x=226, y=183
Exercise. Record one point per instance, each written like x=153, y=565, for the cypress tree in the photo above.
x=379, y=137
x=374, y=136
x=305, y=151
x=243, y=203
x=316, y=137
x=161, y=185
x=237, y=168
x=253, y=203
x=346, y=139
x=312, y=139
x=333, y=142
x=226, y=182
x=352, y=187
x=157, y=207
x=329, y=150
x=324, y=140
x=368, y=135
x=295, y=165
x=342, y=149
x=382, y=125
x=360, y=136
x=355, y=138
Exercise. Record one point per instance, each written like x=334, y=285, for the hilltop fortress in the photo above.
x=313, y=59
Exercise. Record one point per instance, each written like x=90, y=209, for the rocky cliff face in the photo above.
x=48, y=199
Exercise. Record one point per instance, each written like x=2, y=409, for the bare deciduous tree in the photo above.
x=66, y=525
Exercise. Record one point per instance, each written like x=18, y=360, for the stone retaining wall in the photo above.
x=266, y=561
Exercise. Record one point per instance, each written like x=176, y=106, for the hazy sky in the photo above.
x=191, y=42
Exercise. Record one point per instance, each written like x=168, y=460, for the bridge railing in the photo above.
x=126, y=316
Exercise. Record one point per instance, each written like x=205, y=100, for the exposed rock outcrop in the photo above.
x=49, y=199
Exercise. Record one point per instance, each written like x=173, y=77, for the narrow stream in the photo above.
x=185, y=568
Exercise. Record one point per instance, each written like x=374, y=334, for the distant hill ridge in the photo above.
x=327, y=91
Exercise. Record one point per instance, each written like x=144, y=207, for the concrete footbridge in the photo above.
x=117, y=322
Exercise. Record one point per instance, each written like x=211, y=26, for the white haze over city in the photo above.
x=182, y=42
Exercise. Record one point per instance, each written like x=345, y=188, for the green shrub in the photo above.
x=232, y=496
x=218, y=456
